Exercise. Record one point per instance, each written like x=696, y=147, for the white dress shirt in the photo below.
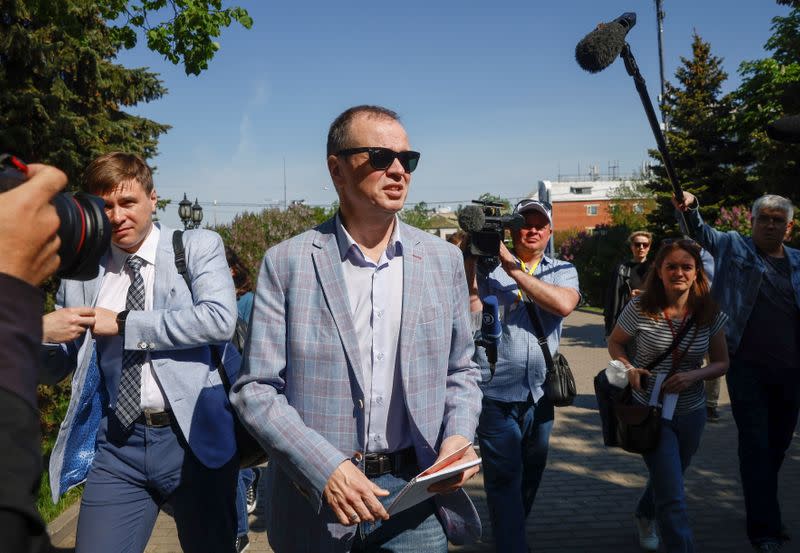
x=113, y=295
x=375, y=291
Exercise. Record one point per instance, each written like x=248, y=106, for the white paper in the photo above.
x=670, y=400
x=416, y=490
x=668, y=407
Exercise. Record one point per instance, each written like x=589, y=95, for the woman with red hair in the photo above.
x=675, y=298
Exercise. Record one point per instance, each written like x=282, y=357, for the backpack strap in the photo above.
x=180, y=265
x=180, y=257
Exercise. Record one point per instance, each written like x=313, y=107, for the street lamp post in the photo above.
x=197, y=214
x=191, y=215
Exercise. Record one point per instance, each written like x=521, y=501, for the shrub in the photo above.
x=595, y=254
x=251, y=234
x=736, y=218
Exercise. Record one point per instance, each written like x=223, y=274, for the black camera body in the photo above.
x=486, y=226
x=85, y=231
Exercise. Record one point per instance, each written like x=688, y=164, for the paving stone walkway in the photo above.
x=588, y=493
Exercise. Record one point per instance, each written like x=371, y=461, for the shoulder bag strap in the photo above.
x=538, y=330
x=672, y=346
x=180, y=265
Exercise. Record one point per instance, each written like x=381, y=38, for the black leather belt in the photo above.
x=378, y=464
x=155, y=418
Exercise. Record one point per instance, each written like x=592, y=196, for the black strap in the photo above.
x=672, y=346
x=538, y=330
x=180, y=257
x=180, y=264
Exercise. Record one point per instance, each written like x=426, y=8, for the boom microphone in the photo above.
x=490, y=331
x=785, y=129
x=471, y=218
x=602, y=46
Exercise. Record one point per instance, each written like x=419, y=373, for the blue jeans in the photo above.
x=411, y=531
x=134, y=473
x=664, y=498
x=514, y=439
x=246, y=477
x=765, y=404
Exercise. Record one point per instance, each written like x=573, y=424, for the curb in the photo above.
x=64, y=524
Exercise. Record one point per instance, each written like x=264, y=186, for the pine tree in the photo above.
x=706, y=157
x=62, y=97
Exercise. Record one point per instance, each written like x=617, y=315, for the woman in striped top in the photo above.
x=676, y=291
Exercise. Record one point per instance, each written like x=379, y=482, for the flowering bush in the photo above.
x=251, y=234
x=736, y=218
x=595, y=254
x=572, y=244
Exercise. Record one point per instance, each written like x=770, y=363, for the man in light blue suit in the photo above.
x=358, y=370
x=153, y=424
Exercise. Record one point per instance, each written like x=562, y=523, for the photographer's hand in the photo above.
x=65, y=325
x=28, y=226
x=508, y=261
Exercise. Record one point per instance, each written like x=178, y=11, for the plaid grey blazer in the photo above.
x=301, y=381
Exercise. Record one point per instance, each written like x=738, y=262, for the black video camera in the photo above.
x=85, y=231
x=486, y=227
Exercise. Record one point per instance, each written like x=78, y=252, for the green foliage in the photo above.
x=560, y=237
x=187, y=34
x=419, y=216
x=770, y=89
x=736, y=218
x=595, y=255
x=61, y=94
x=632, y=202
x=702, y=143
x=53, y=403
x=251, y=234
x=488, y=197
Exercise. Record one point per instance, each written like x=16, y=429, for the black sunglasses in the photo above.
x=382, y=158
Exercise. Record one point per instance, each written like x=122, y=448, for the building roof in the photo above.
x=581, y=191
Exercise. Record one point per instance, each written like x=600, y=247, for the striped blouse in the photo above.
x=653, y=337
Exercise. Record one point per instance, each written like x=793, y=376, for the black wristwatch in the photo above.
x=121, y=316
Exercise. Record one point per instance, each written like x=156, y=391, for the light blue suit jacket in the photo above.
x=176, y=333
x=301, y=391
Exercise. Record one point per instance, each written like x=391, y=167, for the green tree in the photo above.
x=62, y=97
x=770, y=89
x=418, y=216
x=632, y=201
x=251, y=234
x=706, y=157
x=505, y=204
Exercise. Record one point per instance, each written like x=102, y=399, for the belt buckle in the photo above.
x=147, y=418
x=154, y=418
x=383, y=462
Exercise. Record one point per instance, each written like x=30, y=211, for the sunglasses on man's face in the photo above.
x=381, y=158
x=641, y=245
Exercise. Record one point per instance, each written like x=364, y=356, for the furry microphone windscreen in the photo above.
x=471, y=218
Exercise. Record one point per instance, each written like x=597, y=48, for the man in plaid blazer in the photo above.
x=358, y=370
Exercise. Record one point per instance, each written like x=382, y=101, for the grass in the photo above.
x=591, y=309
x=53, y=402
x=44, y=504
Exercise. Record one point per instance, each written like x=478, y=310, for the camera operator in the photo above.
x=29, y=246
x=516, y=420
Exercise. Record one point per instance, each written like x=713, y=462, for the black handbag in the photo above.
x=638, y=427
x=250, y=452
x=559, y=384
x=607, y=394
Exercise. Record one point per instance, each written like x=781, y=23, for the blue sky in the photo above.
x=489, y=92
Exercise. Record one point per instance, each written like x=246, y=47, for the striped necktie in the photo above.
x=130, y=382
